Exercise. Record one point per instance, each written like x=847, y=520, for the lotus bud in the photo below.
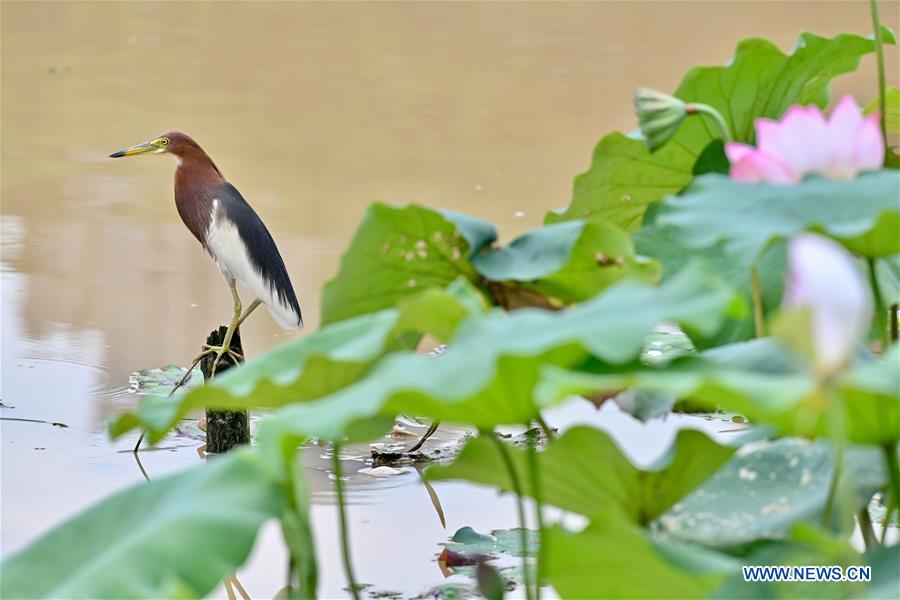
x=825, y=283
x=659, y=116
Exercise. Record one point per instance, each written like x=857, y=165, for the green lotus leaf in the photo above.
x=759, y=81
x=174, y=536
x=770, y=487
x=866, y=398
x=613, y=558
x=585, y=472
x=311, y=366
x=398, y=252
x=746, y=218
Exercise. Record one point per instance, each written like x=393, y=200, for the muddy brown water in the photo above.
x=313, y=111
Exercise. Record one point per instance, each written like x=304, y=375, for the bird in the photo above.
x=231, y=232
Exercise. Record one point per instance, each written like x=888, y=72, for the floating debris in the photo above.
x=382, y=471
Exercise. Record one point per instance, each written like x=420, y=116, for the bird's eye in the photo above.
x=164, y=142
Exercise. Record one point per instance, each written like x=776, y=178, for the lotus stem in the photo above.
x=342, y=513
x=837, y=430
x=548, y=433
x=694, y=108
x=879, y=55
x=893, y=470
x=291, y=569
x=895, y=325
x=835, y=481
x=537, y=495
x=880, y=308
x=865, y=527
x=520, y=507
x=758, y=313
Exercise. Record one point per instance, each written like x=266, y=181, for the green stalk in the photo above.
x=537, y=495
x=544, y=427
x=297, y=532
x=520, y=507
x=880, y=308
x=893, y=500
x=833, y=486
x=837, y=430
x=879, y=55
x=342, y=513
x=758, y=314
x=865, y=527
x=694, y=108
x=894, y=332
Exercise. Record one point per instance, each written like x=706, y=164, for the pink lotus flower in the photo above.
x=823, y=279
x=804, y=143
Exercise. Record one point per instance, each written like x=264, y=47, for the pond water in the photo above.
x=313, y=111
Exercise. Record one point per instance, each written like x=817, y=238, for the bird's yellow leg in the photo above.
x=249, y=310
x=235, y=321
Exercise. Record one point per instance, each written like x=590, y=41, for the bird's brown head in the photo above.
x=174, y=142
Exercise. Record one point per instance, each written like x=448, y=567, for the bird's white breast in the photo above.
x=225, y=245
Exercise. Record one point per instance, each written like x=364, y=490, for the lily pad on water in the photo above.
x=468, y=552
x=507, y=541
x=162, y=380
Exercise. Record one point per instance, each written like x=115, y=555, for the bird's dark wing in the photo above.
x=263, y=253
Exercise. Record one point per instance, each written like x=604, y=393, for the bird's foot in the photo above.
x=220, y=351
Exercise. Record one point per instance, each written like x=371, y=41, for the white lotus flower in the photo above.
x=824, y=279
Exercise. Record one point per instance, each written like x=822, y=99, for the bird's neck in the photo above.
x=197, y=182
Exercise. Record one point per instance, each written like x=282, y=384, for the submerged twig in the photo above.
x=435, y=500
x=53, y=423
x=137, y=459
x=431, y=429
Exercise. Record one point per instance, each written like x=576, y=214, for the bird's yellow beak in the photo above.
x=144, y=148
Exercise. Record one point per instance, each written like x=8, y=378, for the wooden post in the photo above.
x=224, y=429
